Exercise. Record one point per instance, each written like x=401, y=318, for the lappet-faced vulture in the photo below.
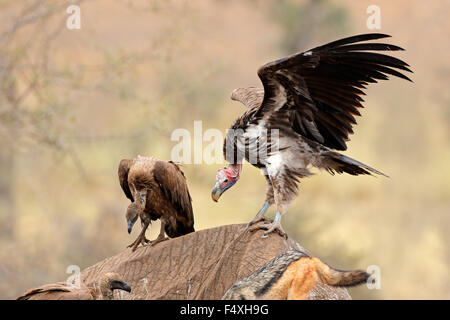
x=157, y=190
x=305, y=113
x=62, y=291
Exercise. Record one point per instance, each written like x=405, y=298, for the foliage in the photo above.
x=73, y=103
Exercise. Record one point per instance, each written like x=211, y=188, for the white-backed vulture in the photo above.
x=62, y=291
x=305, y=112
x=157, y=190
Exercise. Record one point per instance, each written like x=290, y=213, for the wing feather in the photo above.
x=124, y=168
x=250, y=97
x=56, y=291
x=173, y=184
x=322, y=87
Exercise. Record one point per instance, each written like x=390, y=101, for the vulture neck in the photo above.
x=105, y=290
x=235, y=169
x=142, y=198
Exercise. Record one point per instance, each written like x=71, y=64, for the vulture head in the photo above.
x=132, y=215
x=112, y=281
x=225, y=178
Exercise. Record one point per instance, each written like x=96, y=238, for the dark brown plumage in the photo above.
x=62, y=291
x=305, y=112
x=157, y=190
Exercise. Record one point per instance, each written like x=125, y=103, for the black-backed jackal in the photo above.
x=291, y=276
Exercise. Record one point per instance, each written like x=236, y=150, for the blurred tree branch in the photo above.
x=38, y=94
x=38, y=10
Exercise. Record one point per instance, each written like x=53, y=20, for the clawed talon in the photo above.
x=271, y=227
x=133, y=246
x=144, y=241
x=256, y=220
x=260, y=216
x=140, y=240
x=275, y=225
x=252, y=223
x=256, y=225
x=158, y=240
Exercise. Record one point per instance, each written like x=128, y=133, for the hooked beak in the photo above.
x=121, y=285
x=216, y=192
x=130, y=226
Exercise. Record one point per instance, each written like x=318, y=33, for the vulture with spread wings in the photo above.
x=305, y=112
x=157, y=190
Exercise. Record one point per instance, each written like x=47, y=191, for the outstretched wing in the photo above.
x=124, y=168
x=173, y=184
x=317, y=93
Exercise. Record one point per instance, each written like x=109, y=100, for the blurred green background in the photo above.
x=73, y=103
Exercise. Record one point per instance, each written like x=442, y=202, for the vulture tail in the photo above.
x=178, y=229
x=336, y=162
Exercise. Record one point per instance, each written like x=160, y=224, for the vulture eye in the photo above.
x=226, y=180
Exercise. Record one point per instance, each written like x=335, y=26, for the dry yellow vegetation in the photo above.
x=137, y=70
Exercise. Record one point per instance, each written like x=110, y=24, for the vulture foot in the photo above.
x=256, y=221
x=139, y=240
x=260, y=216
x=158, y=240
x=271, y=227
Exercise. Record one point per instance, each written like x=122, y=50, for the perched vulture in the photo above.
x=157, y=190
x=61, y=291
x=305, y=112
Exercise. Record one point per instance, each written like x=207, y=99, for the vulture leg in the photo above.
x=269, y=201
x=140, y=239
x=274, y=226
x=282, y=204
x=161, y=236
x=260, y=215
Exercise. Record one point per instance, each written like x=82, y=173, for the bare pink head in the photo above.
x=226, y=177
